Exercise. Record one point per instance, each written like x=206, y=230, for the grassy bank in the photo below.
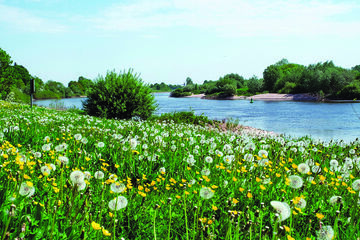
x=70, y=176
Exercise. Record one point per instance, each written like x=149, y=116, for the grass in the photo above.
x=163, y=180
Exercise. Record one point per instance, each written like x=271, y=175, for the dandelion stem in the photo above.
x=186, y=222
x=155, y=225
x=169, y=223
x=6, y=228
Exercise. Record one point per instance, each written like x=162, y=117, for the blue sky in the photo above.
x=169, y=40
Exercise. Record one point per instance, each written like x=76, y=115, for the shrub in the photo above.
x=121, y=96
x=182, y=117
x=179, y=92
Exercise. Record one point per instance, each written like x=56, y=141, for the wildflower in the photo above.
x=295, y=181
x=214, y=208
x=208, y=159
x=27, y=189
x=205, y=172
x=282, y=208
x=46, y=147
x=263, y=154
x=356, y=185
x=87, y=175
x=84, y=140
x=99, y=175
x=300, y=202
x=133, y=143
x=100, y=145
x=162, y=170
x=118, y=203
x=95, y=225
x=319, y=216
x=325, y=233
x=335, y=199
x=77, y=137
x=117, y=187
x=105, y=232
x=303, y=168
x=77, y=177
x=206, y=193
x=45, y=170
x=64, y=160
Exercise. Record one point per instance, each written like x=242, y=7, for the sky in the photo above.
x=170, y=40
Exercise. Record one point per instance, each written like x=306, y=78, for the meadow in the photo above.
x=69, y=176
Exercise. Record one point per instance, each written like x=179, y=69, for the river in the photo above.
x=325, y=121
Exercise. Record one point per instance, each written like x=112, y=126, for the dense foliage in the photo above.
x=68, y=176
x=324, y=79
x=121, y=96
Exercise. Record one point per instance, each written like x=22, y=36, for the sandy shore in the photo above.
x=268, y=97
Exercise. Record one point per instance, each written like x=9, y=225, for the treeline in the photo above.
x=324, y=79
x=15, y=83
x=163, y=87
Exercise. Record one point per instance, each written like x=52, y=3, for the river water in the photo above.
x=325, y=121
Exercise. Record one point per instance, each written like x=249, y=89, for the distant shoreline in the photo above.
x=36, y=99
x=303, y=97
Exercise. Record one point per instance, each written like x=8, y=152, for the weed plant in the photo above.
x=70, y=176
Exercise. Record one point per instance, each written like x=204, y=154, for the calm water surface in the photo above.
x=325, y=121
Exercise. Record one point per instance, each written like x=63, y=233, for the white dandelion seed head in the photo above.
x=249, y=157
x=295, y=181
x=263, y=162
x=325, y=233
x=192, y=181
x=205, y=172
x=303, y=168
x=335, y=199
x=316, y=169
x=133, y=143
x=100, y=145
x=46, y=147
x=47, y=139
x=209, y=159
x=80, y=185
x=45, y=170
x=301, y=204
x=37, y=154
x=310, y=162
x=118, y=203
x=26, y=190
x=117, y=187
x=263, y=154
x=84, y=140
x=99, y=175
x=64, y=160
x=52, y=166
x=225, y=183
x=77, y=137
x=162, y=170
x=87, y=175
x=206, y=193
x=282, y=208
x=77, y=177
x=356, y=185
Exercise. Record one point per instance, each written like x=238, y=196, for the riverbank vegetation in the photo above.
x=70, y=176
x=322, y=79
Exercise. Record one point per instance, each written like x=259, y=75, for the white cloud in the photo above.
x=233, y=17
x=23, y=20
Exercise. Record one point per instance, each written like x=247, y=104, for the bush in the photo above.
x=121, y=96
x=179, y=93
x=182, y=117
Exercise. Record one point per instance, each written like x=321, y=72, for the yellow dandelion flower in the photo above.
x=249, y=195
x=290, y=237
x=234, y=201
x=178, y=197
x=262, y=187
x=287, y=229
x=26, y=177
x=258, y=179
x=241, y=189
x=29, y=184
x=105, y=232
x=95, y=225
x=319, y=216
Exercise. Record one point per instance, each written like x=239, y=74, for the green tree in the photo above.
x=122, y=96
x=271, y=74
x=254, y=85
x=189, y=81
x=6, y=81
